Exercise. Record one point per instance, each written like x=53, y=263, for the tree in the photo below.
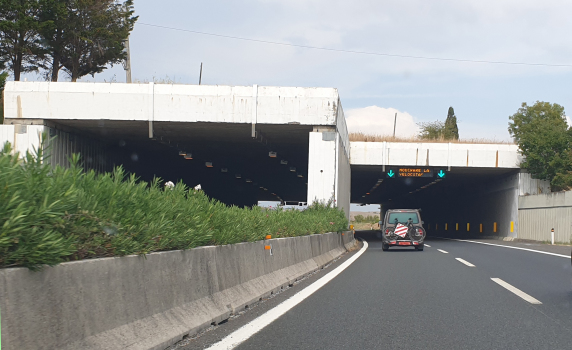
x=451, y=131
x=20, y=47
x=3, y=77
x=431, y=130
x=85, y=36
x=545, y=141
x=54, y=16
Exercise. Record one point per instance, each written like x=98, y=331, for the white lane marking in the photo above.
x=516, y=291
x=465, y=262
x=507, y=246
x=427, y=245
x=442, y=251
x=248, y=330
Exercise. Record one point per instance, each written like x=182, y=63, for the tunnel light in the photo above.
x=379, y=181
x=248, y=180
x=367, y=193
x=238, y=176
x=273, y=193
x=182, y=153
x=265, y=189
x=209, y=164
x=292, y=169
x=300, y=175
x=261, y=187
x=363, y=196
x=223, y=170
x=188, y=156
x=283, y=162
x=389, y=199
x=272, y=154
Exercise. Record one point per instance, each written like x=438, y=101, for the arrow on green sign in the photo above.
x=390, y=173
x=441, y=174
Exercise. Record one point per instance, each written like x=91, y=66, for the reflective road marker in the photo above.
x=243, y=333
x=442, y=251
x=516, y=291
x=465, y=262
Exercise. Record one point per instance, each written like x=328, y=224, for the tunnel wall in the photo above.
x=486, y=204
x=152, y=301
x=60, y=145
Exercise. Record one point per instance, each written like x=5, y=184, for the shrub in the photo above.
x=50, y=215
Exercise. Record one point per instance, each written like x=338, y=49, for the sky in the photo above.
x=372, y=87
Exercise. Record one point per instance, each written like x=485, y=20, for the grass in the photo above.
x=358, y=136
x=51, y=215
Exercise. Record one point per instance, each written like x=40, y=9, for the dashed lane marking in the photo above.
x=465, y=262
x=248, y=330
x=442, y=251
x=427, y=245
x=516, y=291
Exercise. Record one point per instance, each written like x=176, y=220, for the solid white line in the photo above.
x=243, y=333
x=465, y=262
x=427, y=245
x=516, y=291
x=507, y=246
x=442, y=251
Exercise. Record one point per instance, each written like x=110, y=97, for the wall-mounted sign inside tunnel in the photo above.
x=410, y=172
x=441, y=174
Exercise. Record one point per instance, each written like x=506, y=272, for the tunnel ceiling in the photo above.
x=412, y=190
x=225, y=145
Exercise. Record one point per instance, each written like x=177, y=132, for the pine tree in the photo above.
x=451, y=131
x=20, y=47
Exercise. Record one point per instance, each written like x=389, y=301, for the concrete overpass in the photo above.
x=244, y=144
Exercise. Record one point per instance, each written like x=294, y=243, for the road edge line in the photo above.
x=248, y=330
x=506, y=246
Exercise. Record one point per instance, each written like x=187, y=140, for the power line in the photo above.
x=355, y=52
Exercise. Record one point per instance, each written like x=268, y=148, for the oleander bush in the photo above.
x=51, y=215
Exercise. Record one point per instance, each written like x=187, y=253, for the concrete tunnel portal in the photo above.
x=245, y=144
x=471, y=196
x=237, y=169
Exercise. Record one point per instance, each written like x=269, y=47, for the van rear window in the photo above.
x=403, y=217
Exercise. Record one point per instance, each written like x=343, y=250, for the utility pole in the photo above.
x=394, y=124
x=201, y=74
x=127, y=63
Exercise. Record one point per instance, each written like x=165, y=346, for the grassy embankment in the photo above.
x=361, y=222
x=48, y=216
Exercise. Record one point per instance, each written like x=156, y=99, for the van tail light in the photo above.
x=386, y=231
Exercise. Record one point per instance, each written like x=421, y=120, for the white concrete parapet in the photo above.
x=173, y=103
x=435, y=154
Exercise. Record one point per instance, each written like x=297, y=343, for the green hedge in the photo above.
x=50, y=215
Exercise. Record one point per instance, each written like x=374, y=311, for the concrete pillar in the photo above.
x=329, y=173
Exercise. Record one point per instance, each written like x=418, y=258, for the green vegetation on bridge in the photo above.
x=51, y=215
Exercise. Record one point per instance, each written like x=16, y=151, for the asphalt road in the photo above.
x=404, y=299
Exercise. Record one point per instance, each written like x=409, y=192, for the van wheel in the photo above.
x=384, y=247
x=419, y=247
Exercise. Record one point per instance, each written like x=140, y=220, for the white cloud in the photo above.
x=374, y=120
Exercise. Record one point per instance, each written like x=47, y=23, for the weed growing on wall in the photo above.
x=51, y=215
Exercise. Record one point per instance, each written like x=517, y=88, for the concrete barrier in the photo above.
x=153, y=301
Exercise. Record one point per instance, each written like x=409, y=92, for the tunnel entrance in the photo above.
x=468, y=202
x=224, y=158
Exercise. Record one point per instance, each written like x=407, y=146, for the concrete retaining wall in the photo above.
x=538, y=214
x=151, y=302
